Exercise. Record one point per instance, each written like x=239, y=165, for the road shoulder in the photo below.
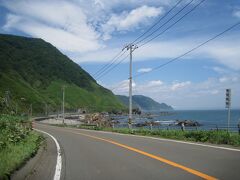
x=42, y=165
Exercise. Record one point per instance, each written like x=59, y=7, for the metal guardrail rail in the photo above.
x=177, y=127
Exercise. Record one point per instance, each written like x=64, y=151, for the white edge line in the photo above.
x=162, y=139
x=58, y=168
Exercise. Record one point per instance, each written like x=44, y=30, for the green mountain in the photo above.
x=144, y=103
x=33, y=71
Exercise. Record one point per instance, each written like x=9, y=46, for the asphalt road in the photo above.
x=98, y=155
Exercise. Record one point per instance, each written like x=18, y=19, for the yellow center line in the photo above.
x=192, y=171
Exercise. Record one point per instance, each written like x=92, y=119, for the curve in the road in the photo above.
x=57, y=174
x=166, y=161
x=168, y=140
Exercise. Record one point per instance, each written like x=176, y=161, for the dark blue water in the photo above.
x=208, y=119
x=205, y=117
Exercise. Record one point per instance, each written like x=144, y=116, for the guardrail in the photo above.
x=151, y=125
x=208, y=127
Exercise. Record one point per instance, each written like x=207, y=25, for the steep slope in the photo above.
x=34, y=71
x=144, y=103
x=125, y=101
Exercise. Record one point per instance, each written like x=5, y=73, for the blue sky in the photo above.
x=91, y=33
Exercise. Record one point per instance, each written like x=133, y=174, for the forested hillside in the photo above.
x=33, y=71
x=144, y=103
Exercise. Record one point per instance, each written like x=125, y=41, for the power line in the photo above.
x=184, y=7
x=184, y=54
x=158, y=21
x=119, y=85
x=171, y=19
x=107, y=68
x=106, y=65
x=106, y=72
x=170, y=25
x=110, y=65
x=191, y=50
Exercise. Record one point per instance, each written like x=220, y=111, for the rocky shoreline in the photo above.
x=109, y=120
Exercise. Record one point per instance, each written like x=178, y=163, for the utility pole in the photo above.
x=131, y=48
x=30, y=110
x=46, y=109
x=7, y=98
x=228, y=105
x=16, y=108
x=63, y=99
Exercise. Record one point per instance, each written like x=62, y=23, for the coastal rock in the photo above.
x=97, y=119
x=187, y=123
x=147, y=123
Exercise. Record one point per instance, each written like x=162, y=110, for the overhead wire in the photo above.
x=184, y=54
x=113, y=67
x=156, y=23
x=189, y=51
x=119, y=85
x=149, y=35
x=109, y=66
x=103, y=67
x=191, y=10
x=115, y=58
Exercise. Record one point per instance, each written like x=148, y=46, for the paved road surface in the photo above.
x=103, y=156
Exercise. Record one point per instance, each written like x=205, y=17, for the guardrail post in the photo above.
x=182, y=126
x=151, y=126
x=239, y=128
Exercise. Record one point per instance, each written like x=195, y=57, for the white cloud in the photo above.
x=209, y=93
x=226, y=53
x=129, y=20
x=121, y=87
x=179, y=85
x=223, y=79
x=113, y=4
x=223, y=51
x=156, y=50
x=221, y=70
x=230, y=78
x=144, y=70
x=99, y=3
x=75, y=26
x=60, y=38
x=155, y=83
x=214, y=92
x=236, y=13
x=59, y=22
x=101, y=55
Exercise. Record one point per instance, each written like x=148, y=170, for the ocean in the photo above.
x=208, y=119
x=205, y=117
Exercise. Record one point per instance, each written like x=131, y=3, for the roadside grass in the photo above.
x=17, y=143
x=212, y=136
